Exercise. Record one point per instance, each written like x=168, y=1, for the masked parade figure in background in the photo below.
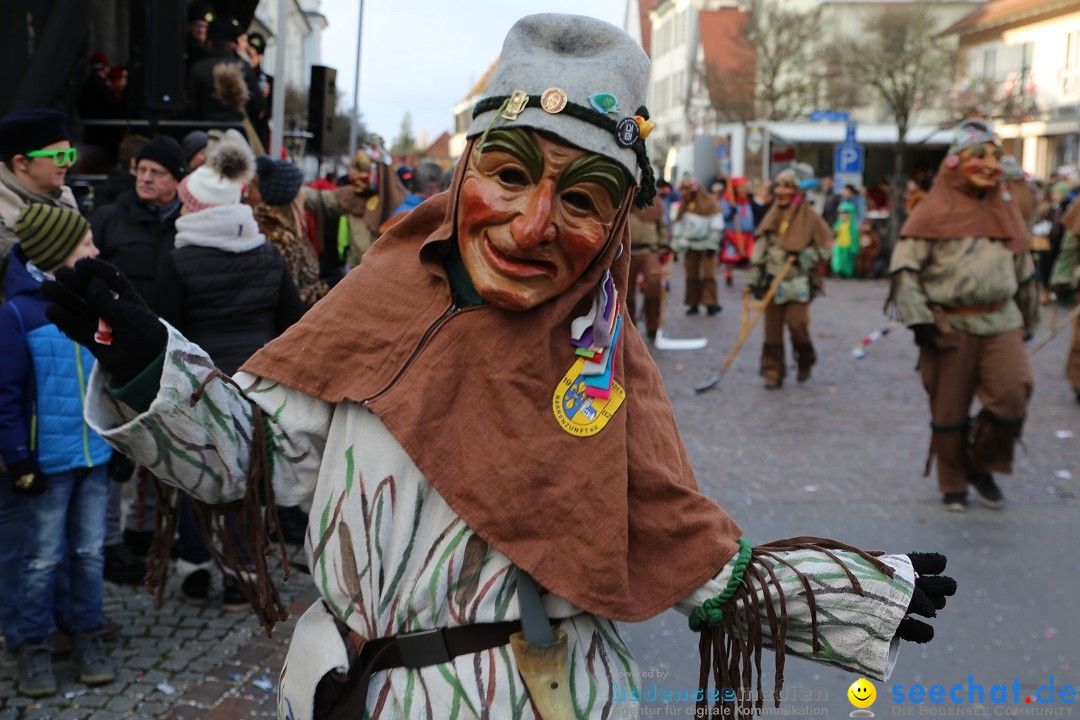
x=496, y=458
x=792, y=243
x=964, y=282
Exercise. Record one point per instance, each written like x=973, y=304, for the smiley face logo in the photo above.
x=862, y=693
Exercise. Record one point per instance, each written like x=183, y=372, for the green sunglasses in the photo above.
x=60, y=158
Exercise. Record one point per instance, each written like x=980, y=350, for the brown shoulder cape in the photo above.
x=698, y=202
x=614, y=522
x=1071, y=218
x=953, y=210
x=389, y=191
x=805, y=227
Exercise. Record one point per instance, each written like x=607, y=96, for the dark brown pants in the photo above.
x=796, y=316
x=647, y=264
x=700, y=277
x=996, y=370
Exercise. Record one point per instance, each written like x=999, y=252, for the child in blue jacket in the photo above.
x=52, y=456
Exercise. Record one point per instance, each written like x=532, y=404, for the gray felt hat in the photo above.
x=591, y=77
x=972, y=132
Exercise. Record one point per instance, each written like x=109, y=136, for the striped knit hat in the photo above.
x=48, y=234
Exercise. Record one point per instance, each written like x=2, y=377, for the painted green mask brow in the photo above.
x=520, y=144
x=597, y=169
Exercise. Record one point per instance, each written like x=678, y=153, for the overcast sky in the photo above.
x=422, y=56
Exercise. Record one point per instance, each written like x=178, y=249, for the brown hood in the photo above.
x=612, y=522
x=953, y=210
x=650, y=213
x=803, y=228
x=1071, y=218
x=391, y=193
x=1025, y=200
x=698, y=202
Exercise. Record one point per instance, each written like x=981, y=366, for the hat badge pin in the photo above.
x=515, y=105
x=604, y=102
x=627, y=132
x=553, y=100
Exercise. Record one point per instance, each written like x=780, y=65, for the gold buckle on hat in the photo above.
x=515, y=105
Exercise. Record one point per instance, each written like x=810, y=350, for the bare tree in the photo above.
x=902, y=57
x=785, y=43
x=728, y=74
x=405, y=142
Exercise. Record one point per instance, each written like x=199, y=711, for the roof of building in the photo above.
x=729, y=58
x=644, y=6
x=440, y=148
x=998, y=13
x=481, y=84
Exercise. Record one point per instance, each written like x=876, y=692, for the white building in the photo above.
x=691, y=36
x=304, y=23
x=1027, y=55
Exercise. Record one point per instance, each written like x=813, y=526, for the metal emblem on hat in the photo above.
x=604, y=102
x=515, y=105
x=627, y=132
x=553, y=100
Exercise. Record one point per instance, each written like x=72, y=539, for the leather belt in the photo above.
x=344, y=697
x=975, y=309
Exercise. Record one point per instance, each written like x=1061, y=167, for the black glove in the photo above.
x=27, y=479
x=931, y=589
x=93, y=293
x=925, y=335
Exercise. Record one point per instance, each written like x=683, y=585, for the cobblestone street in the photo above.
x=840, y=456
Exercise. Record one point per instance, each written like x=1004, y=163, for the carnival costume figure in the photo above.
x=494, y=471
x=699, y=225
x=792, y=244
x=964, y=282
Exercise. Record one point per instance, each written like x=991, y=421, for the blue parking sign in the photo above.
x=848, y=159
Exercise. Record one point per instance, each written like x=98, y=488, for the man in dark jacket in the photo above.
x=122, y=178
x=136, y=234
x=203, y=98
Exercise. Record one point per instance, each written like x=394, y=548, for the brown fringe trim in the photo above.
x=255, y=525
x=890, y=307
x=732, y=653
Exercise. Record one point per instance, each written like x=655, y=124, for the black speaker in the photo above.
x=322, y=104
x=158, y=32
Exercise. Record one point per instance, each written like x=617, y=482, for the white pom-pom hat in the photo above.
x=230, y=164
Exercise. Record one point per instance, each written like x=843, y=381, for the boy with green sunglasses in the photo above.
x=37, y=154
x=61, y=157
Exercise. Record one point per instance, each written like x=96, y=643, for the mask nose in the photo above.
x=534, y=225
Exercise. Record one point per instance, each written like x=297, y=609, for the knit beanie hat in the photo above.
x=279, y=180
x=166, y=151
x=230, y=164
x=578, y=78
x=193, y=142
x=48, y=234
x=25, y=130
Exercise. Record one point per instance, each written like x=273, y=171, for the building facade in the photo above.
x=1020, y=62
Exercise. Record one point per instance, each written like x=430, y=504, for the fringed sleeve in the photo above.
x=811, y=597
x=235, y=446
x=1027, y=293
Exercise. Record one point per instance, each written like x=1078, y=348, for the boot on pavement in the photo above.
x=88, y=657
x=36, y=677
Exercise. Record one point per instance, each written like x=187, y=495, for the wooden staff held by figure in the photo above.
x=748, y=323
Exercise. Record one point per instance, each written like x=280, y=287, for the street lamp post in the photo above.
x=277, y=104
x=354, y=125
